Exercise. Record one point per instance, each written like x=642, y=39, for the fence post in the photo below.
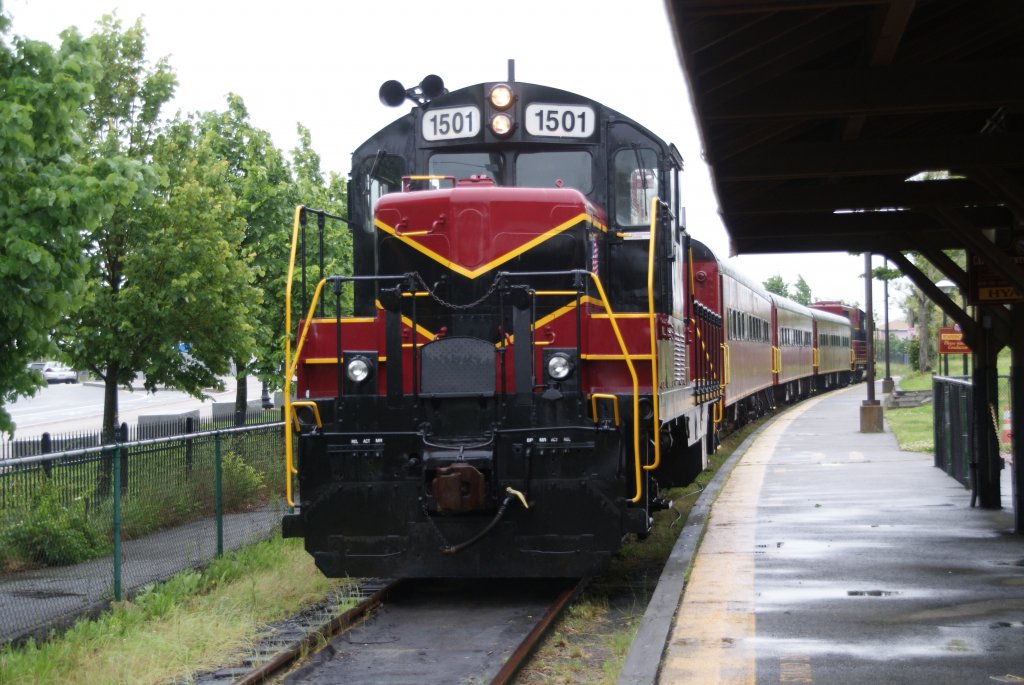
x=45, y=447
x=190, y=427
x=117, y=524
x=218, y=497
x=122, y=437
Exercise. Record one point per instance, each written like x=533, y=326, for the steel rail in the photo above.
x=526, y=648
x=336, y=625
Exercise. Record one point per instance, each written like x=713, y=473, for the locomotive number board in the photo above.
x=561, y=121
x=450, y=123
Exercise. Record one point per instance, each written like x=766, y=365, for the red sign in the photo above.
x=951, y=341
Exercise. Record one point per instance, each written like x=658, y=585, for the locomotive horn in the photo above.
x=431, y=86
x=392, y=93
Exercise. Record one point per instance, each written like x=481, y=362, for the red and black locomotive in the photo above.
x=528, y=356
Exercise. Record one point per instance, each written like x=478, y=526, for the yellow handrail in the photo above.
x=306, y=403
x=727, y=363
x=305, y=329
x=290, y=367
x=636, y=384
x=776, y=361
x=815, y=357
x=604, y=396
x=651, y=243
x=290, y=469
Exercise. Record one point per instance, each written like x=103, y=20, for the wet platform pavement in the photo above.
x=830, y=556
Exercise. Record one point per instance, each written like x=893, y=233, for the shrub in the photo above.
x=52, y=534
x=242, y=485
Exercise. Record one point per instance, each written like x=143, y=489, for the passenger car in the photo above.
x=55, y=372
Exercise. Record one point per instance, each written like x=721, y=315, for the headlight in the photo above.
x=560, y=366
x=358, y=370
x=501, y=96
x=501, y=125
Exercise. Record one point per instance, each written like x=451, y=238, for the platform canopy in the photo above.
x=883, y=127
x=818, y=116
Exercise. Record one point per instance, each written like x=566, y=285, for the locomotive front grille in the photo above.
x=458, y=367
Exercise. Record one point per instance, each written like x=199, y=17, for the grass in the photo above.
x=195, y=621
x=913, y=427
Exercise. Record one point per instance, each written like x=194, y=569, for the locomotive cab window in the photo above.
x=466, y=164
x=562, y=169
x=636, y=183
x=383, y=174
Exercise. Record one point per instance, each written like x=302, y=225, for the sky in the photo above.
x=321, y=62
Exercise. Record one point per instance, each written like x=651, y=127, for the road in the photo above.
x=79, y=408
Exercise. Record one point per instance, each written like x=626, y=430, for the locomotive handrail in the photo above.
x=628, y=358
x=289, y=465
x=636, y=386
x=727, y=364
x=306, y=403
x=605, y=396
x=290, y=368
x=655, y=389
x=776, y=359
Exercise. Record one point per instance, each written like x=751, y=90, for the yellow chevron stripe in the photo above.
x=512, y=254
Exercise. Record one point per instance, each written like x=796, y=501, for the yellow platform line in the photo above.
x=712, y=640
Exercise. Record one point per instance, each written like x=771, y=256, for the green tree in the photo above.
x=920, y=310
x=328, y=194
x=801, y=291
x=260, y=179
x=46, y=198
x=166, y=294
x=775, y=284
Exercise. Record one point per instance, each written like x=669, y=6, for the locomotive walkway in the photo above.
x=830, y=556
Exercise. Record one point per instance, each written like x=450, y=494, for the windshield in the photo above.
x=466, y=164
x=563, y=169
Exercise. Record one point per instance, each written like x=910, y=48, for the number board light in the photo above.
x=450, y=123
x=560, y=121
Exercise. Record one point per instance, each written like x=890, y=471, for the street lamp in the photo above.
x=947, y=286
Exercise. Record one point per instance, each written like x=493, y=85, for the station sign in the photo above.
x=985, y=286
x=951, y=341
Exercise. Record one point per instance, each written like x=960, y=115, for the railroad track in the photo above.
x=422, y=632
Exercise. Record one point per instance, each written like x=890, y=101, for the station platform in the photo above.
x=821, y=554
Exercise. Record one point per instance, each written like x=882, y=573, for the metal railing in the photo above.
x=954, y=436
x=83, y=527
x=954, y=427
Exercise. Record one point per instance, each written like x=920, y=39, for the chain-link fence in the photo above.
x=82, y=527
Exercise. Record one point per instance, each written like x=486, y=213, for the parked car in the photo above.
x=55, y=372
